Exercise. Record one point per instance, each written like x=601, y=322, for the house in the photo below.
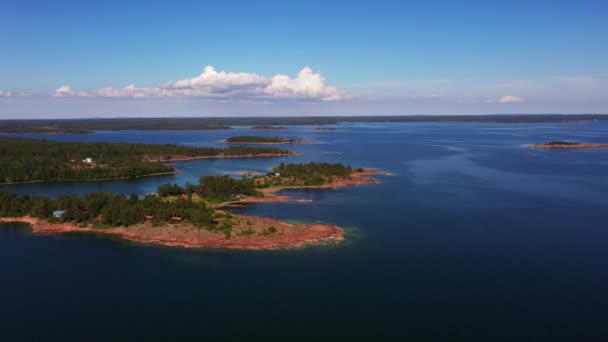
x=177, y=218
x=58, y=213
x=149, y=218
x=276, y=174
x=87, y=160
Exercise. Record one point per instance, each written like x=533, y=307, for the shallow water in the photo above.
x=475, y=238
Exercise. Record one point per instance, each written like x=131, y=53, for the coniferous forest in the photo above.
x=29, y=160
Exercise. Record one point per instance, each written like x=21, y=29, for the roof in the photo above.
x=58, y=212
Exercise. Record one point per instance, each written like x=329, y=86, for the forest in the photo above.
x=101, y=209
x=560, y=143
x=192, y=203
x=27, y=160
x=259, y=139
x=312, y=173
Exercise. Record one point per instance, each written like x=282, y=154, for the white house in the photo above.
x=87, y=160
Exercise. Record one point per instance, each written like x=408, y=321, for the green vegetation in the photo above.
x=260, y=139
x=107, y=210
x=304, y=174
x=44, y=130
x=217, y=189
x=268, y=231
x=192, y=203
x=550, y=143
x=27, y=160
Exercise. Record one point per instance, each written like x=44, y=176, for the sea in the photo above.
x=475, y=237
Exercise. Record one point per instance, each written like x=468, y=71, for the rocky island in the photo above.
x=567, y=144
x=193, y=215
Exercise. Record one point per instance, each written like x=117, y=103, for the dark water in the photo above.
x=476, y=238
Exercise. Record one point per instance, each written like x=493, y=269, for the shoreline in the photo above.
x=271, y=194
x=221, y=156
x=184, y=235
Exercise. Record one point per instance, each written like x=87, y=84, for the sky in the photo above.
x=64, y=59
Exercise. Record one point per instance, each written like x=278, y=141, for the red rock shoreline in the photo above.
x=184, y=235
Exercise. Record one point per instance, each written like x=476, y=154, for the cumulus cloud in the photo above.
x=307, y=85
x=510, y=99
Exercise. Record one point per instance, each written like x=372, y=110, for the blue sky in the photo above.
x=113, y=58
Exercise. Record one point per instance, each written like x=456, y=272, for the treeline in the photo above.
x=214, y=189
x=259, y=139
x=26, y=160
x=560, y=143
x=305, y=174
x=42, y=130
x=271, y=122
x=107, y=210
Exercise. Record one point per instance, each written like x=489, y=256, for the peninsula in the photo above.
x=29, y=160
x=256, y=139
x=567, y=144
x=190, y=216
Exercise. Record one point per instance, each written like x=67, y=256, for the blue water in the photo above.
x=476, y=238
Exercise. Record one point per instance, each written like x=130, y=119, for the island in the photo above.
x=325, y=129
x=191, y=216
x=268, y=128
x=43, y=130
x=567, y=144
x=256, y=139
x=31, y=160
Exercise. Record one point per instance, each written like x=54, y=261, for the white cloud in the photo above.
x=66, y=91
x=225, y=85
x=510, y=99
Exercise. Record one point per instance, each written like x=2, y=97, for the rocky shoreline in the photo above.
x=250, y=232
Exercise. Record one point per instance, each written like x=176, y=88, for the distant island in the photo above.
x=193, y=215
x=254, y=139
x=43, y=130
x=268, y=128
x=30, y=160
x=213, y=123
x=567, y=144
x=325, y=129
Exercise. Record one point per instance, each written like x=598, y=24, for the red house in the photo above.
x=149, y=218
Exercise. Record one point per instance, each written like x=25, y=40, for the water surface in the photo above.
x=475, y=238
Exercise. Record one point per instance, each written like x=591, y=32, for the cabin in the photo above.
x=149, y=218
x=87, y=160
x=58, y=213
x=177, y=218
